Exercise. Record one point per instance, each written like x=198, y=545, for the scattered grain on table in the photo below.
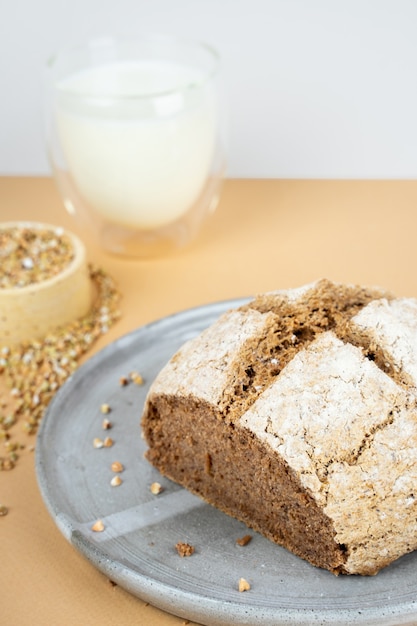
x=34, y=371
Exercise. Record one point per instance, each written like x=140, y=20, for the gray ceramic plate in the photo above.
x=137, y=547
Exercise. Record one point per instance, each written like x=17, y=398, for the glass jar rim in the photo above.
x=59, y=60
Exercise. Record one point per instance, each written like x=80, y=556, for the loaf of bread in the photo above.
x=297, y=414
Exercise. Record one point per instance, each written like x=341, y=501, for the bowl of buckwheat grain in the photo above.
x=44, y=280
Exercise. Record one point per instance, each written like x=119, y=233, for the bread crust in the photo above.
x=297, y=414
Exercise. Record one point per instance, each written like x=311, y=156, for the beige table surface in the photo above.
x=265, y=235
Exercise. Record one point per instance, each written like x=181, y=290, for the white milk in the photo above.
x=137, y=160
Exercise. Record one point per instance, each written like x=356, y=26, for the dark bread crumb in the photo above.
x=184, y=549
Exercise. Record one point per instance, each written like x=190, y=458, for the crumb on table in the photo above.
x=184, y=549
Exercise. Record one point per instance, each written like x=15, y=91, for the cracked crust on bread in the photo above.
x=297, y=414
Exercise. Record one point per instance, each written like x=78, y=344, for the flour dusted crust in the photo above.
x=297, y=413
x=206, y=366
x=389, y=328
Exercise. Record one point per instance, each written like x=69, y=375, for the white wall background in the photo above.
x=317, y=88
